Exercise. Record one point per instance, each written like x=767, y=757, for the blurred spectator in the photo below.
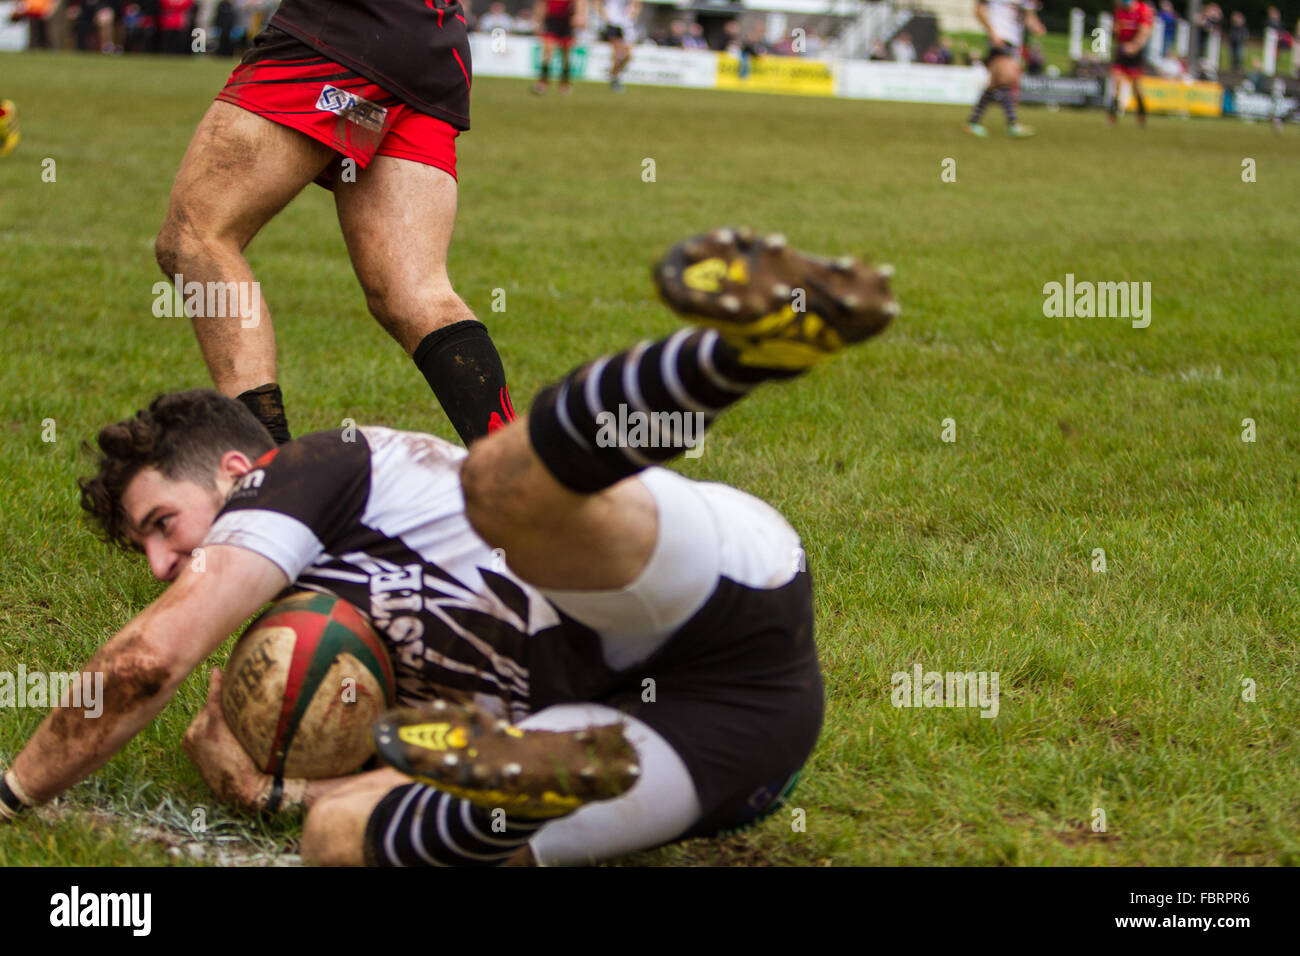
x=731, y=37
x=694, y=39
x=753, y=44
x=223, y=25
x=1210, y=23
x=37, y=14
x=1255, y=78
x=174, y=26
x=901, y=50
x=932, y=55
x=524, y=21
x=1284, y=38
x=141, y=20
x=878, y=52
x=1169, y=18
x=496, y=18
x=1237, y=37
x=94, y=26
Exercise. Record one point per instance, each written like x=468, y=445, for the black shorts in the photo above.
x=1005, y=49
x=1128, y=61
x=611, y=33
x=559, y=27
x=738, y=695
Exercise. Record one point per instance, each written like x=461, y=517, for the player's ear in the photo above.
x=235, y=464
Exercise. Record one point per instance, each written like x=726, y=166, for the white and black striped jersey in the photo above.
x=376, y=517
x=1007, y=18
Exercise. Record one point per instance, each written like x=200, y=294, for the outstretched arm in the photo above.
x=143, y=664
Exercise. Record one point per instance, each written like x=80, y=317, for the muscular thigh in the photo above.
x=397, y=219
x=240, y=170
x=1005, y=71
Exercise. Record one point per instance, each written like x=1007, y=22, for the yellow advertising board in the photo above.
x=777, y=74
x=1172, y=96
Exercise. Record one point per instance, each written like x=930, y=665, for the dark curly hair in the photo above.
x=183, y=435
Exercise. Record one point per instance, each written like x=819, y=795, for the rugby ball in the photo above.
x=304, y=685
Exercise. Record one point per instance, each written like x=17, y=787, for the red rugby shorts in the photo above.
x=351, y=115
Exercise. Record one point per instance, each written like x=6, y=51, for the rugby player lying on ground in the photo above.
x=618, y=572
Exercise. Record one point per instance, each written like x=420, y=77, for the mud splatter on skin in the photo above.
x=127, y=683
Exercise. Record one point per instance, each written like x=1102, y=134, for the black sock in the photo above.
x=1142, y=105
x=416, y=825
x=546, y=71
x=464, y=370
x=613, y=417
x=267, y=404
x=564, y=69
x=987, y=97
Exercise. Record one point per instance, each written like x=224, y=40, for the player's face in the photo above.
x=168, y=519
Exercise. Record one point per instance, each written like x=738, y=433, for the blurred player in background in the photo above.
x=557, y=22
x=620, y=18
x=1133, y=22
x=1005, y=22
x=374, y=117
x=8, y=127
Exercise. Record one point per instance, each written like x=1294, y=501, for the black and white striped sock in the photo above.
x=416, y=825
x=613, y=417
x=977, y=111
x=1010, y=99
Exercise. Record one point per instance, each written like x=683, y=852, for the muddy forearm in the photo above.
x=71, y=743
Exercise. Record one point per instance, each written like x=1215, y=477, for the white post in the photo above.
x=1212, y=52
x=1156, y=45
x=1270, y=51
x=1076, y=34
x=775, y=27
x=1183, y=38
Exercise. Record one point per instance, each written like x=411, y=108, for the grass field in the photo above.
x=1121, y=690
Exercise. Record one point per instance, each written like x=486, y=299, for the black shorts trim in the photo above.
x=611, y=33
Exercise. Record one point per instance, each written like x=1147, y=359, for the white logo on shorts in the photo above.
x=352, y=108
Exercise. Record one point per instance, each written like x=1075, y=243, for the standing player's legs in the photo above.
x=991, y=93
x=1141, y=100
x=1007, y=74
x=1126, y=75
x=566, y=70
x=1118, y=95
x=544, y=72
x=622, y=54
x=238, y=172
x=397, y=219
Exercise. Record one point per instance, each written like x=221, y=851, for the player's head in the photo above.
x=164, y=474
